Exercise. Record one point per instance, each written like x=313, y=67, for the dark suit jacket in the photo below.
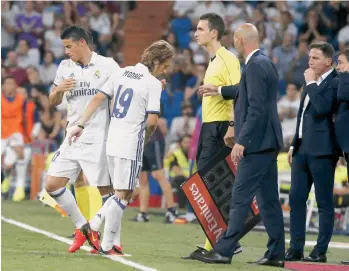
x=257, y=125
x=342, y=115
x=229, y=92
x=318, y=128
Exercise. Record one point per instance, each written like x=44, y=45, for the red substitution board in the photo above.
x=209, y=193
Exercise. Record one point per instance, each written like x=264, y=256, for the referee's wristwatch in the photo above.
x=231, y=123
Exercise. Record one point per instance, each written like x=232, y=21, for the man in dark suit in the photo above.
x=314, y=153
x=258, y=140
x=342, y=116
x=341, y=121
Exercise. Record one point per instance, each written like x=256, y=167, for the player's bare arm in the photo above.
x=96, y=102
x=152, y=122
x=56, y=95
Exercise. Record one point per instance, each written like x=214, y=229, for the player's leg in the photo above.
x=82, y=195
x=144, y=192
x=211, y=141
x=8, y=161
x=190, y=216
x=93, y=162
x=16, y=141
x=124, y=174
x=166, y=187
x=64, y=166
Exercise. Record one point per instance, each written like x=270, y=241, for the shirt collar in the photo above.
x=323, y=77
x=217, y=53
x=250, y=55
x=92, y=61
x=143, y=67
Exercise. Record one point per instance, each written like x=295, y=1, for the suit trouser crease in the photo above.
x=306, y=170
x=256, y=175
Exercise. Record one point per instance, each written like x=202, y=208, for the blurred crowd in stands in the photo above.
x=31, y=50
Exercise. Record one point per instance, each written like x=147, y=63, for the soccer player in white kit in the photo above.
x=80, y=78
x=135, y=92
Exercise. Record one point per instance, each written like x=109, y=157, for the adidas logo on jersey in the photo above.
x=71, y=75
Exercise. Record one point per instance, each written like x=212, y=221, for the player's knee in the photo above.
x=55, y=183
x=80, y=181
x=104, y=190
x=20, y=152
x=159, y=175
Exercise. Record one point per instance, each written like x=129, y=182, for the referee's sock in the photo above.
x=207, y=245
x=95, y=201
x=82, y=196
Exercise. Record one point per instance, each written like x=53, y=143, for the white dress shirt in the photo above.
x=306, y=101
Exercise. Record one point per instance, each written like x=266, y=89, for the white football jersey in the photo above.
x=89, y=79
x=134, y=92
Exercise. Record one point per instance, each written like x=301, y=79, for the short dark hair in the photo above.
x=214, y=22
x=325, y=47
x=4, y=79
x=76, y=33
x=345, y=52
x=298, y=86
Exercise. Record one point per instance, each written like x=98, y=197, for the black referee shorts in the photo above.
x=153, y=156
x=211, y=141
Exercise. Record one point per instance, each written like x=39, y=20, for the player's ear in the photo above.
x=214, y=34
x=82, y=42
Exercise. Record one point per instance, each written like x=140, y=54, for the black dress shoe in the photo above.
x=192, y=256
x=212, y=257
x=316, y=257
x=345, y=262
x=292, y=255
x=265, y=261
x=201, y=250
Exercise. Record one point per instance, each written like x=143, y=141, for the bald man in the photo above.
x=258, y=139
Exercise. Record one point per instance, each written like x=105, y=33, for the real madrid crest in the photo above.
x=97, y=74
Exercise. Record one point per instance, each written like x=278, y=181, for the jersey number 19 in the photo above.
x=122, y=102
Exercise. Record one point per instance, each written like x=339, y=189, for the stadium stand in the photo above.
x=31, y=50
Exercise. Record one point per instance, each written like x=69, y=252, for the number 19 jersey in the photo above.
x=134, y=92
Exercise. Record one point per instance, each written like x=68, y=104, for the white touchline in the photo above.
x=68, y=241
x=331, y=244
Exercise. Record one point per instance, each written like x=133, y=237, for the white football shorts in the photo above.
x=91, y=158
x=14, y=140
x=124, y=172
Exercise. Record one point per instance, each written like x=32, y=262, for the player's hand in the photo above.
x=135, y=195
x=74, y=134
x=66, y=85
x=52, y=136
x=229, y=137
x=163, y=83
x=237, y=153
x=309, y=75
x=289, y=156
x=208, y=90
